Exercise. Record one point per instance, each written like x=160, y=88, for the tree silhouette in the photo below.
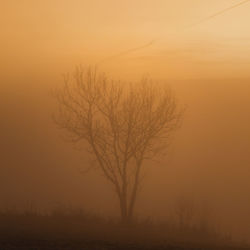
x=123, y=125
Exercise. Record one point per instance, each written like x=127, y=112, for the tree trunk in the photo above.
x=134, y=191
x=126, y=215
x=132, y=203
x=123, y=209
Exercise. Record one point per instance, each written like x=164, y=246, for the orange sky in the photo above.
x=58, y=34
x=40, y=40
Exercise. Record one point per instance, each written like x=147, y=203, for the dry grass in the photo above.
x=75, y=229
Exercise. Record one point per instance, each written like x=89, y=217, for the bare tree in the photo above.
x=123, y=125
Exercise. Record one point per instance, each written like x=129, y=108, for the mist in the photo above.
x=207, y=162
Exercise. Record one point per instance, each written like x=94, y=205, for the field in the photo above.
x=77, y=230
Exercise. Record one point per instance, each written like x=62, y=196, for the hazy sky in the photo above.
x=40, y=40
x=57, y=34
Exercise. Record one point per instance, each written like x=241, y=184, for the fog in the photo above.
x=207, y=67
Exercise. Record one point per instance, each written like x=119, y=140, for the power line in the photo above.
x=221, y=12
x=127, y=52
x=218, y=13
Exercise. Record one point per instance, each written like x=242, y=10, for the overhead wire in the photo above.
x=132, y=50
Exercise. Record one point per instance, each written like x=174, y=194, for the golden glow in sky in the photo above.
x=62, y=33
x=206, y=64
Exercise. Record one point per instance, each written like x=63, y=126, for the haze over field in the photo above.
x=207, y=66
